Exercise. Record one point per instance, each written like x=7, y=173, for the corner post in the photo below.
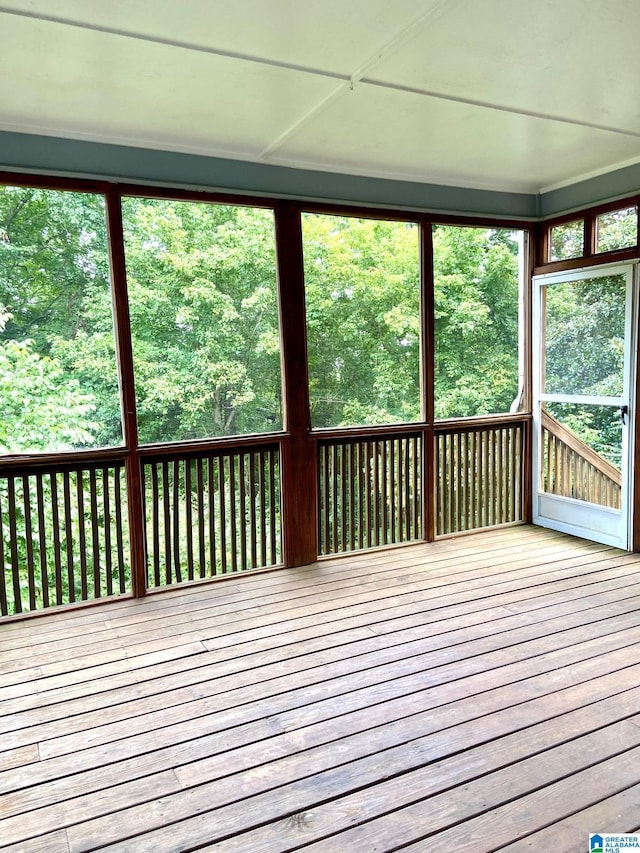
x=299, y=467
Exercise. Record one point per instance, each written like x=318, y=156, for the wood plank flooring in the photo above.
x=480, y=693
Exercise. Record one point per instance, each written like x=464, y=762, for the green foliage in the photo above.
x=204, y=318
x=41, y=407
x=567, y=240
x=617, y=229
x=363, y=320
x=584, y=343
x=476, y=320
x=54, y=283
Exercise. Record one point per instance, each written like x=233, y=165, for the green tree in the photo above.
x=204, y=318
x=363, y=320
x=54, y=282
x=584, y=354
x=476, y=320
x=40, y=406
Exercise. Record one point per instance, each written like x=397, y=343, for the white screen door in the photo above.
x=583, y=342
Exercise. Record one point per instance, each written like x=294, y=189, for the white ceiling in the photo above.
x=501, y=94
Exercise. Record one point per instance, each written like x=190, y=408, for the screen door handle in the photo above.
x=624, y=411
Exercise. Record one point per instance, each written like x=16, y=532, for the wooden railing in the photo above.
x=479, y=476
x=369, y=491
x=216, y=510
x=63, y=534
x=211, y=513
x=570, y=468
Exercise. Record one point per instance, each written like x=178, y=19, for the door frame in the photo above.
x=570, y=515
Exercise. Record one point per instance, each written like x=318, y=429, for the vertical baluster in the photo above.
x=353, y=495
x=390, y=465
x=397, y=490
x=202, y=560
x=451, y=481
x=82, y=541
x=510, y=473
x=66, y=489
x=95, y=541
x=106, y=508
x=343, y=505
x=384, y=498
x=441, y=492
x=340, y=493
x=454, y=474
x=323, y=498
x=469, y=480
x=444, y=483
x=211, y=509
x=350, y=495
x=500, y=477
x=377, y=513
x=242, y=515
x=223, y=512
x=42, y=542
x=473, y=480
x=28, y=541
x=441, y=485
x=520, y=473
x=188, y=516
x=491, y=484
x=463, y=474
x=274, y=503
x=253, y=510
x=486, y=475
x=462, y=480
x=263, y=510
x=368, y=496
x=515, y=473
x=599, y=484
x=155, y=522
x=13, y=544
x=57, y=544
x=333, y=485
x=233, y=511
x=4, y=603
x=177, y=567
x=119, y=527
x=406, y=490
x=562, y=483
x=362, y=495
x=497, y=476
x=417, y=485
x=166, y=505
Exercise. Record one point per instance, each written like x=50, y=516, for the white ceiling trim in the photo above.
x=394, y=44
x=176, y=43
x=587, y=176
x=488, y=105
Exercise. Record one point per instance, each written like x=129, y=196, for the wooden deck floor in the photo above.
x=481, y=693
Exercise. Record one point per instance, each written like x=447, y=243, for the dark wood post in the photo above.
x=427, y=380
x=533, y=242
x=299, y=486
x=124, y=353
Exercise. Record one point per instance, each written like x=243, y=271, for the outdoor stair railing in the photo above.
x=570, y=468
